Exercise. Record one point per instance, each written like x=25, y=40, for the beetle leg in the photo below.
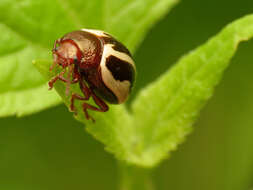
x=86, y=92
x=68, y=79
x=72, y=100
x=102, y=106
x=58, y=77
x=75, y=75
x=52, y=66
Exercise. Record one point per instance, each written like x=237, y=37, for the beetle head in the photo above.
x=66, y=52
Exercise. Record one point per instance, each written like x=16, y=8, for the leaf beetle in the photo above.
x=103, y=67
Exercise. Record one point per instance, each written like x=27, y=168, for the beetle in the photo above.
x=103, y=67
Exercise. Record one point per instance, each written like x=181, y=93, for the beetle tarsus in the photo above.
x=72, y=101
x=102, y=106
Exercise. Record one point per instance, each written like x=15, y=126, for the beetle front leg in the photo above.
x=58, y=77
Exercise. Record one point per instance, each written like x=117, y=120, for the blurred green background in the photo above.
x=50, y=150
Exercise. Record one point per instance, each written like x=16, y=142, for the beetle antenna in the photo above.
x=52, y=66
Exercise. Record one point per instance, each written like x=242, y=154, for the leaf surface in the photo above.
x=164, y=112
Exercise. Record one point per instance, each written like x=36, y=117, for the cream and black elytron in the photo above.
x=103, y=67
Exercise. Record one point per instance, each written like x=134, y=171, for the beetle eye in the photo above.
x=54, y=50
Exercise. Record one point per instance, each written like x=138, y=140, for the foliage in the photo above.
x=29, y=29
x=163, y=113
x=160, y=116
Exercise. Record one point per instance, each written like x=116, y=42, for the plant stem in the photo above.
x=134, y=178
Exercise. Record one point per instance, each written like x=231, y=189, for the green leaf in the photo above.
x=29, y=28
x=112, y=127
x=23, y=90
x=163, y=113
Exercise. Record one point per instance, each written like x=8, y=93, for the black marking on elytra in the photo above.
x=121, y=70
x=117, y=46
